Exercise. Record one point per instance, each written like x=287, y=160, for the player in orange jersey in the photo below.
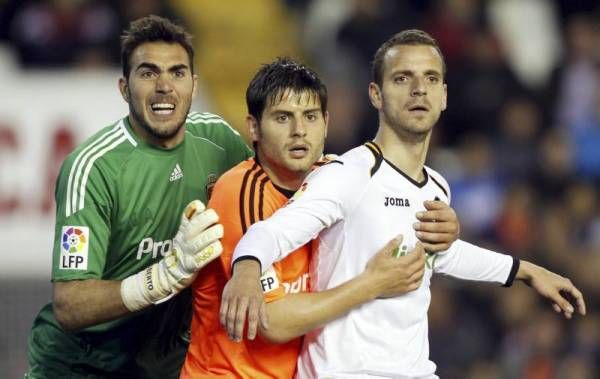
x=287, y=105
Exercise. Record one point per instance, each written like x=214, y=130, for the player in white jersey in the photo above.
x=356, y=204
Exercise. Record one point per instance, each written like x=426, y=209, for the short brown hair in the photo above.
x=151, y=29
x=412, y=37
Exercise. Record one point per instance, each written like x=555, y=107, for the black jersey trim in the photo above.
x=440, y=185
x=252, y=197
x=513, y=272
x=243, y=197
x=261, y=197
x=245, y=258
x=284, y=191
x=377, y=154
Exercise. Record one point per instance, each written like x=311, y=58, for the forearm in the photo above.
x=467, y=261
x=313, y=310
x=82, y=303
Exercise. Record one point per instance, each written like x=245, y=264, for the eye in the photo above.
x=282, y=118
x=400, y=79
x=179, y=74
x=433, y=79
x=147, y=74
x=312, y=116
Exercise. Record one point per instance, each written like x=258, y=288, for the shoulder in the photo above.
x=438, y=180
x=108, y=146
x=354, y=165
x=237, y=174
x=209, y=125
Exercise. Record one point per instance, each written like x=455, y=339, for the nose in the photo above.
x=299, y=128
x=163, y=84
x=418, y=87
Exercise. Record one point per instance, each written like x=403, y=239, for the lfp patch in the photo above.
x=74, y=247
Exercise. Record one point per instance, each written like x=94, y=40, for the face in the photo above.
x=291, y=134
x=413, y=93
x=159, y=89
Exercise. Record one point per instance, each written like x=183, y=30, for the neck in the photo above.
x=161, y=142
x=286, y=179
x=405, y=150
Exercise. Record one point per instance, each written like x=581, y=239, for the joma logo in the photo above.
x=396, y=202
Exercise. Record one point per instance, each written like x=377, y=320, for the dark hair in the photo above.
x=272, y=80
x=151, y=29
x=412, y=37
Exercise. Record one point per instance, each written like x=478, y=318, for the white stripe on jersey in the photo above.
x=89, y=168
x=208, y=118
x=127, y=134
x=74, y=171
x=83, y=165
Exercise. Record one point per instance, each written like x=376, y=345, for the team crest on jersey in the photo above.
x=74, y=247
x=211, y=179
x=298, y=193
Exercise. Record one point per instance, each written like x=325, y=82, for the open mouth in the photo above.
x=418, y=108
x=298, y=151
x=162, y=109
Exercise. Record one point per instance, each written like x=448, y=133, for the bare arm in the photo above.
x=559, y=290
x=81, y=303
x=384, y=276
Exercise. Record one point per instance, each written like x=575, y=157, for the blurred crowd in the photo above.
x=519, y=145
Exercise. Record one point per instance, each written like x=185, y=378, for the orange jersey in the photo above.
x=241, y=197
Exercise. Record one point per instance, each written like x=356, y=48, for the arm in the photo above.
x=384, y=276
x=82, y=303
x=322, y=201
x=553, y=287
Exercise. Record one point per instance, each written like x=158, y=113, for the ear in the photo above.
x=253, y=128
x=123, y=88
x=326, y=117
x=375, y=95
x=445, y=97
x=195, y=87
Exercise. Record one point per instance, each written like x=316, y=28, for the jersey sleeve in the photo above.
x=216, y=129
x=83, y=214
x=467, y=261
x=328, y=195
x=229, y=216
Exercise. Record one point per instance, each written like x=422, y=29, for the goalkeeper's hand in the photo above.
x=195, y=245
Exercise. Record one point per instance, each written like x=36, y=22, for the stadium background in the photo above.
x=519, y=143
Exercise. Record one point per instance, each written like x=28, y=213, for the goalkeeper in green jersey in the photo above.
x=131, y=228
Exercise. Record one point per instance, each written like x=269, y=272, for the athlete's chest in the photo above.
x=390, y=204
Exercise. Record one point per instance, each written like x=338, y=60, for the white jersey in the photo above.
x=355, y=205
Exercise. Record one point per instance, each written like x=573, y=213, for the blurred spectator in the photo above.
x=477, y=192
x=516, y=222
x=55, y=33
x=477, y=87
x=519, y=128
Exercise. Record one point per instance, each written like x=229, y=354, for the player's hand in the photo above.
x=392, y=276
x=195, y=245
x=243, y=296
x=438, y=226
x=559, y=290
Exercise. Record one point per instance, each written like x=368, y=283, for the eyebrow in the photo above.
x=155, y=67
x=411, y=73
x=290, y=113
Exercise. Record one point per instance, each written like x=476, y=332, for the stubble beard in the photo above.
x=404, y=130
x=159, y=134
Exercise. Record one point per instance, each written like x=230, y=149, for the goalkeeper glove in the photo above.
x=195, y=245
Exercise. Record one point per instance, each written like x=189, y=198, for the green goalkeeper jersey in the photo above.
x=118, y=205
